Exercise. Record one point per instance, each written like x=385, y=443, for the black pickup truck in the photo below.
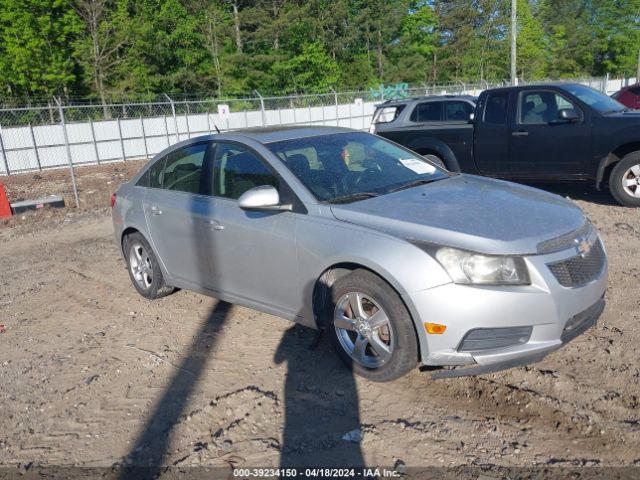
x=554, y=132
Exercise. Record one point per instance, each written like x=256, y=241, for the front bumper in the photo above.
x=582, y=322
x=551, y=310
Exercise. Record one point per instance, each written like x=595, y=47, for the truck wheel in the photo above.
x=143, y=268
x=624, y=182
x=435, y=159
x=370, y=327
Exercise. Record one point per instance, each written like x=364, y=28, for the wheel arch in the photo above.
x=608, y=163
x=440, y=149
x=125, y=233
x=331, y=274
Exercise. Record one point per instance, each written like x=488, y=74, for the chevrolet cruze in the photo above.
x=400, y=261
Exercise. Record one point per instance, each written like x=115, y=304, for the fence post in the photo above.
x=144, y=139
x=246, y=118
x=4, y=154
x=50, y=112
x=335, y=95
x=95, y=143
x=175, y=119
x=124, y=155
x=264, y=114
x=35, y=146
x=209, y=123
x=166, y=130
x=186, y=118
x=69, y=159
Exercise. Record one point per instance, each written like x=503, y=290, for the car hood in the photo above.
x=468, y=212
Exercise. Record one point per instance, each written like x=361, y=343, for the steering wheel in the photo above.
x=368, y=174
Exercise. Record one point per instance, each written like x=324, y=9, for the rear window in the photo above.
x=427, y=112
x=457, y=111
x=635, y=91
x=387, y=114
x=495, y=111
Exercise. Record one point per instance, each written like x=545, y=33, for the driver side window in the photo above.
x=236, y=170
x=541, y=107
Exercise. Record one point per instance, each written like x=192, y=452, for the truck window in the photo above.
x=495, y=111
x=457, y=111
x=427, y=112
x=541, y=107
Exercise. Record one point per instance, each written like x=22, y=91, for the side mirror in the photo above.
x=264, y=197
x=569, y=115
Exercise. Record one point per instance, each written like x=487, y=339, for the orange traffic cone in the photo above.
x=5, y=206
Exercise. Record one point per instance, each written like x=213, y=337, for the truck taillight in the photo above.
x=113, y=200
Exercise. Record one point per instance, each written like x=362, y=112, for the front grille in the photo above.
x=579, y=270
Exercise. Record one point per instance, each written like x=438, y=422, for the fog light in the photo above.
x=492, y=338
x=434, y=328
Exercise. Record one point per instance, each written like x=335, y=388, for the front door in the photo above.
x=253, y=253
x=543, y=145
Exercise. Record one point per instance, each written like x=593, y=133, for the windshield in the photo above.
x=596, y=100
x=352, y=166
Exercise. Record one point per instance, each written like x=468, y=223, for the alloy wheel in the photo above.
x=140, y=265
x=631, y=181
x=363, y=329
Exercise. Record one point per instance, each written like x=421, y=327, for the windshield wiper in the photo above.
x=354, y=197
x=415, y=183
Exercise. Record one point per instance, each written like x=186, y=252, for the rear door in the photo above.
x=491, y=134
x=542, y=145
x=177, y=206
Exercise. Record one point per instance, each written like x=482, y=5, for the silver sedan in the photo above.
x=399, y=261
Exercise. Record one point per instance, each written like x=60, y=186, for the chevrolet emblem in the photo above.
x=582, y=246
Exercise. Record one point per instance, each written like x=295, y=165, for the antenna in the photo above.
x=216, y=127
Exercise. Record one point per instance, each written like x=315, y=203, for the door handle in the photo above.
x=214, y=224
x=155, y=211
x=520, y=134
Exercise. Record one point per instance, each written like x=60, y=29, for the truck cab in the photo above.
x=549, y=132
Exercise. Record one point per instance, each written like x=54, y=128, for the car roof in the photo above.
x=426, y=98
x=559, y=85
x=279, y=133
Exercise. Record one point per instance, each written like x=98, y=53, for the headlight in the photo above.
x=474, y=268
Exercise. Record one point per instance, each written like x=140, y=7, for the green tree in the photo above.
x=616, y=28
x=313, y=70
x=530, y=45
x=103, y=43
x=36, y=38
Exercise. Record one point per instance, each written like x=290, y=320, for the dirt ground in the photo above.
x=93, y=375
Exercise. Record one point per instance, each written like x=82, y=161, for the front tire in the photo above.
x=143, y=268
x=370, y=327
x=624, y=182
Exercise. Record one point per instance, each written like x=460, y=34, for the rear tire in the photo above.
x=624, y=182
x=370, y=327
x=143, y=268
